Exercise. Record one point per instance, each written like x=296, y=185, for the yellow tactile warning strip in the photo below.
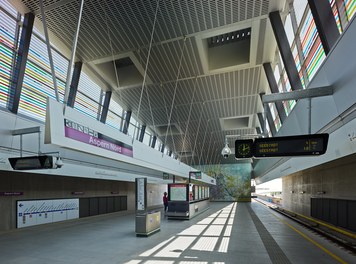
x=337, y=258
x=339, y=230
x=344, y=232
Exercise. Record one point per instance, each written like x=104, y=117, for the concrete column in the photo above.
x=104, y=112
x=20, y=64
x=325, y=23
x=285, y=51
x=127, y=122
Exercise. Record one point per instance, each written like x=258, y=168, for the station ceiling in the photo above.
x=202, y=69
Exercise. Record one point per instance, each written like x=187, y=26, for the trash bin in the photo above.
x=148, y=223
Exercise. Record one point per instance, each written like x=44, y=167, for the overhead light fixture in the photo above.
x=229, y=37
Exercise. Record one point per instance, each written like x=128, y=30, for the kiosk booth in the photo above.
x=187, y=200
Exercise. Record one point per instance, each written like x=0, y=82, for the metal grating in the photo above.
x=116, y=27
x=129, y=23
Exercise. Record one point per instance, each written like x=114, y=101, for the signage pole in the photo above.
x=147, y=223
x=141, y=195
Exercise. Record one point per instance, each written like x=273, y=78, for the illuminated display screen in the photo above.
x=291, y=146
x=178, y=192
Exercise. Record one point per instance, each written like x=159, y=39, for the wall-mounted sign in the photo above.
x=141, y=202
x=195, y=175
x=36, y=212
x=89, y=136
x=77, y=193
x=165, y=176
x=11, y=193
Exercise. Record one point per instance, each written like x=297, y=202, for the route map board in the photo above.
x=178, y=192
x=36, y=212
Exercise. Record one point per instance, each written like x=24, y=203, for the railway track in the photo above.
x=343, y=238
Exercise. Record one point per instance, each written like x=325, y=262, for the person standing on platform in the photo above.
x=165, y=201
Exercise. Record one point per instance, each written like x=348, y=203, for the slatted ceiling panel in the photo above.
x=160, y=117
x=165, y=23
x=164, y=95
x=216, y=109
x=227, y=85
x=98, y=30
x=191, y=62
x=183, y=21
x=190, y=5
x=34, y=5
x=137, y=25
x=182, y=113
x=121, y=22
x=184, y=93
x=60, y=21
x=121, y=37
x=133, y=20
x=129, y=27
x=164, y=61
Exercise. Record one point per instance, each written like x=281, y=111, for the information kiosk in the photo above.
x=147, y=223
x=187, y=200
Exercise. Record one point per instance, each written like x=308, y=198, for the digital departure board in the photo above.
x=195, y=174
x=302, y=145
x=32, y=162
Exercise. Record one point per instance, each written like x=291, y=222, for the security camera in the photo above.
x=59, y=163
x=226, y=151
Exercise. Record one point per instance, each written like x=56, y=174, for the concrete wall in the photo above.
x=336, y=178
x=39, y=186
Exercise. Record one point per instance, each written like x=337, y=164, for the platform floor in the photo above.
x=226, y=233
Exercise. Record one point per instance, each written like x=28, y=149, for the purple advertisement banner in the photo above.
x=94, y=141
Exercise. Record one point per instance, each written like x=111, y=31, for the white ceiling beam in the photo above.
x=298, y=94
